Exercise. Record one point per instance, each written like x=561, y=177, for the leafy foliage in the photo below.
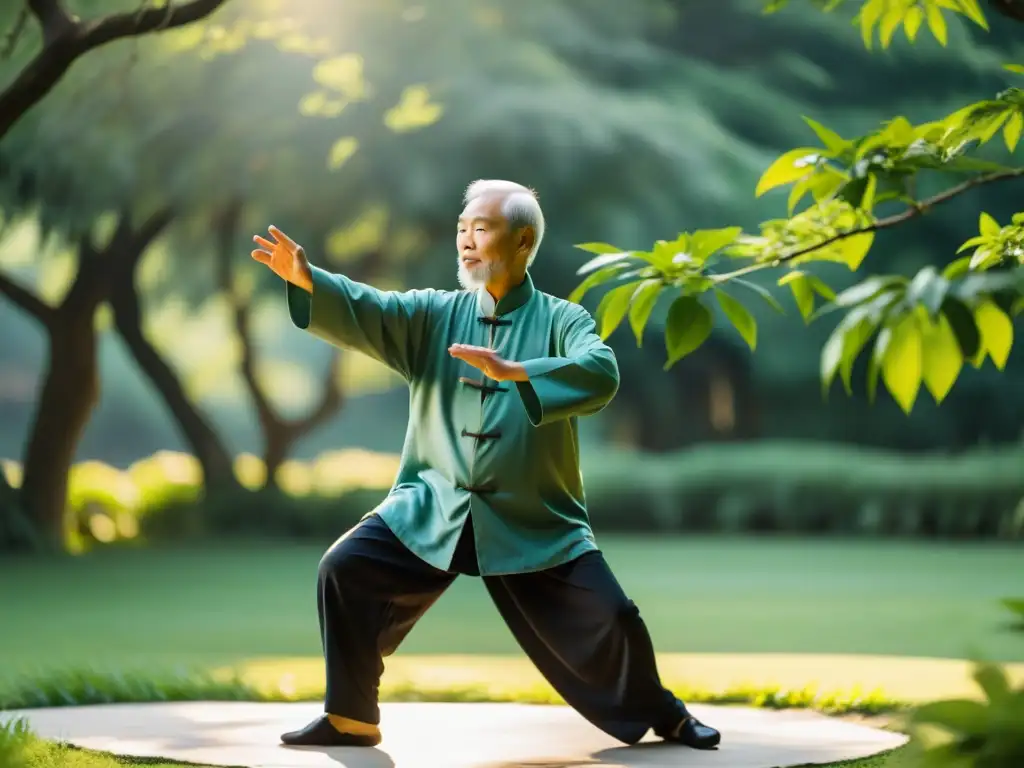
x=914, y=331
x=14, y=737
x=964, y=732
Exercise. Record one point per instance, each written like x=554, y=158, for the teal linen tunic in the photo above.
x=505, y=452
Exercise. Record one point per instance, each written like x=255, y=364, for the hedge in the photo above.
x=760, y=487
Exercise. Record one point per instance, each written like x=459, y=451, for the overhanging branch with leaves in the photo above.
x=921, y=329
x=67, y=38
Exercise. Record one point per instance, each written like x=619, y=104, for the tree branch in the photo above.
x=150, y=230
x=135, y=23
x=275, y=426
x=27, y=301
x=65, y=40
x=331, y=400
x=52, y=17
x=890, y=221
x=227, y=226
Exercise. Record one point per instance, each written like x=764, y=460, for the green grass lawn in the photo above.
x=255, y=605
x=220, y=605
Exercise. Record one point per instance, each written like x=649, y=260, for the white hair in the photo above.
x=520, y=207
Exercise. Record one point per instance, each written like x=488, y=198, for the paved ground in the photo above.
x=449, y=736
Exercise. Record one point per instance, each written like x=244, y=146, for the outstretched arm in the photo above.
x=388, y=326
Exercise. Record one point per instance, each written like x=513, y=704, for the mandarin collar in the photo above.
x=510, y=302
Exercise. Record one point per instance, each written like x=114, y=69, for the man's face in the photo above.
x=485, y=244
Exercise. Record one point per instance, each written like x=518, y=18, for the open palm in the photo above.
x=488, y=361
x=284, y=256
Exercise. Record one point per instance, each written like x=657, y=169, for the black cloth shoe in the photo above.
x=320, y=733
x=693, y=733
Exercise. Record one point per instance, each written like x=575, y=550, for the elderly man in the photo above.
x=489, y=482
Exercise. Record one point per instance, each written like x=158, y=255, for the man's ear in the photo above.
x=526, y=238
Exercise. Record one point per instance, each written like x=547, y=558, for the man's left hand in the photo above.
x=488, y=361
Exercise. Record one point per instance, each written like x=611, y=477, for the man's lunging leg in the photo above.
x=371, y=591
x=590, y=643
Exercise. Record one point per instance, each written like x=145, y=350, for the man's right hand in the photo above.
x=285, y=257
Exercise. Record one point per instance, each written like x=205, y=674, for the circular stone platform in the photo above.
x=429, y=735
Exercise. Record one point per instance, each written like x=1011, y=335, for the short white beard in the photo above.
x=478, y=278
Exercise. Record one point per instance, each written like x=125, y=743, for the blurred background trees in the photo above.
x=129, y=193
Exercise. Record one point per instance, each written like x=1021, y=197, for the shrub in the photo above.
x=807, y=488
x=962, y=733
x=14, y=740
x=760, y=487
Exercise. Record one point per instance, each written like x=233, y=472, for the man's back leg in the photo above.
x=589, y=641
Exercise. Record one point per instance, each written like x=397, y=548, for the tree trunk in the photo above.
x=70, y=391
x=71, y=386
x=277, y=444
x=205, y=444
x=279, y=433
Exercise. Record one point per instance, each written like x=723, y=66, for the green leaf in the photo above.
x=1018, y=306
x=831, y=357
x=1012, y=130
x=644, y=300
x=739, y=316
x=961, y=320
x=986, y=129
x=987, y=225
x=996, y=332
x=869, y=15
x=790, y=167
x=826, y=182
x=796, y=194
x=942, y=358
x=974, y=285
x=993, y=681
x=688, y=326
x=821, y=288
x=762, y=292
x=1018, y=68
x=875, y=362
x=803, y=294
x=705, y=242
x=865, y=290
x=596, y=278
x=855, y=248
x=604, y=260
x=613, y=307
x=972, y=11
x=854, y=341
x=972, y=243
x=599, y=248
x=912, y=22
x=984, y=257
x=958, y=716
x=847, y=340
x=902, y=365
x=867, y=200
x=833, y=141
x=890, y=23
x=936, y=23
x=928, y=288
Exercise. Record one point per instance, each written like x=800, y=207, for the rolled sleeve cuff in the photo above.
x=300, y=301
x=538, y=390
